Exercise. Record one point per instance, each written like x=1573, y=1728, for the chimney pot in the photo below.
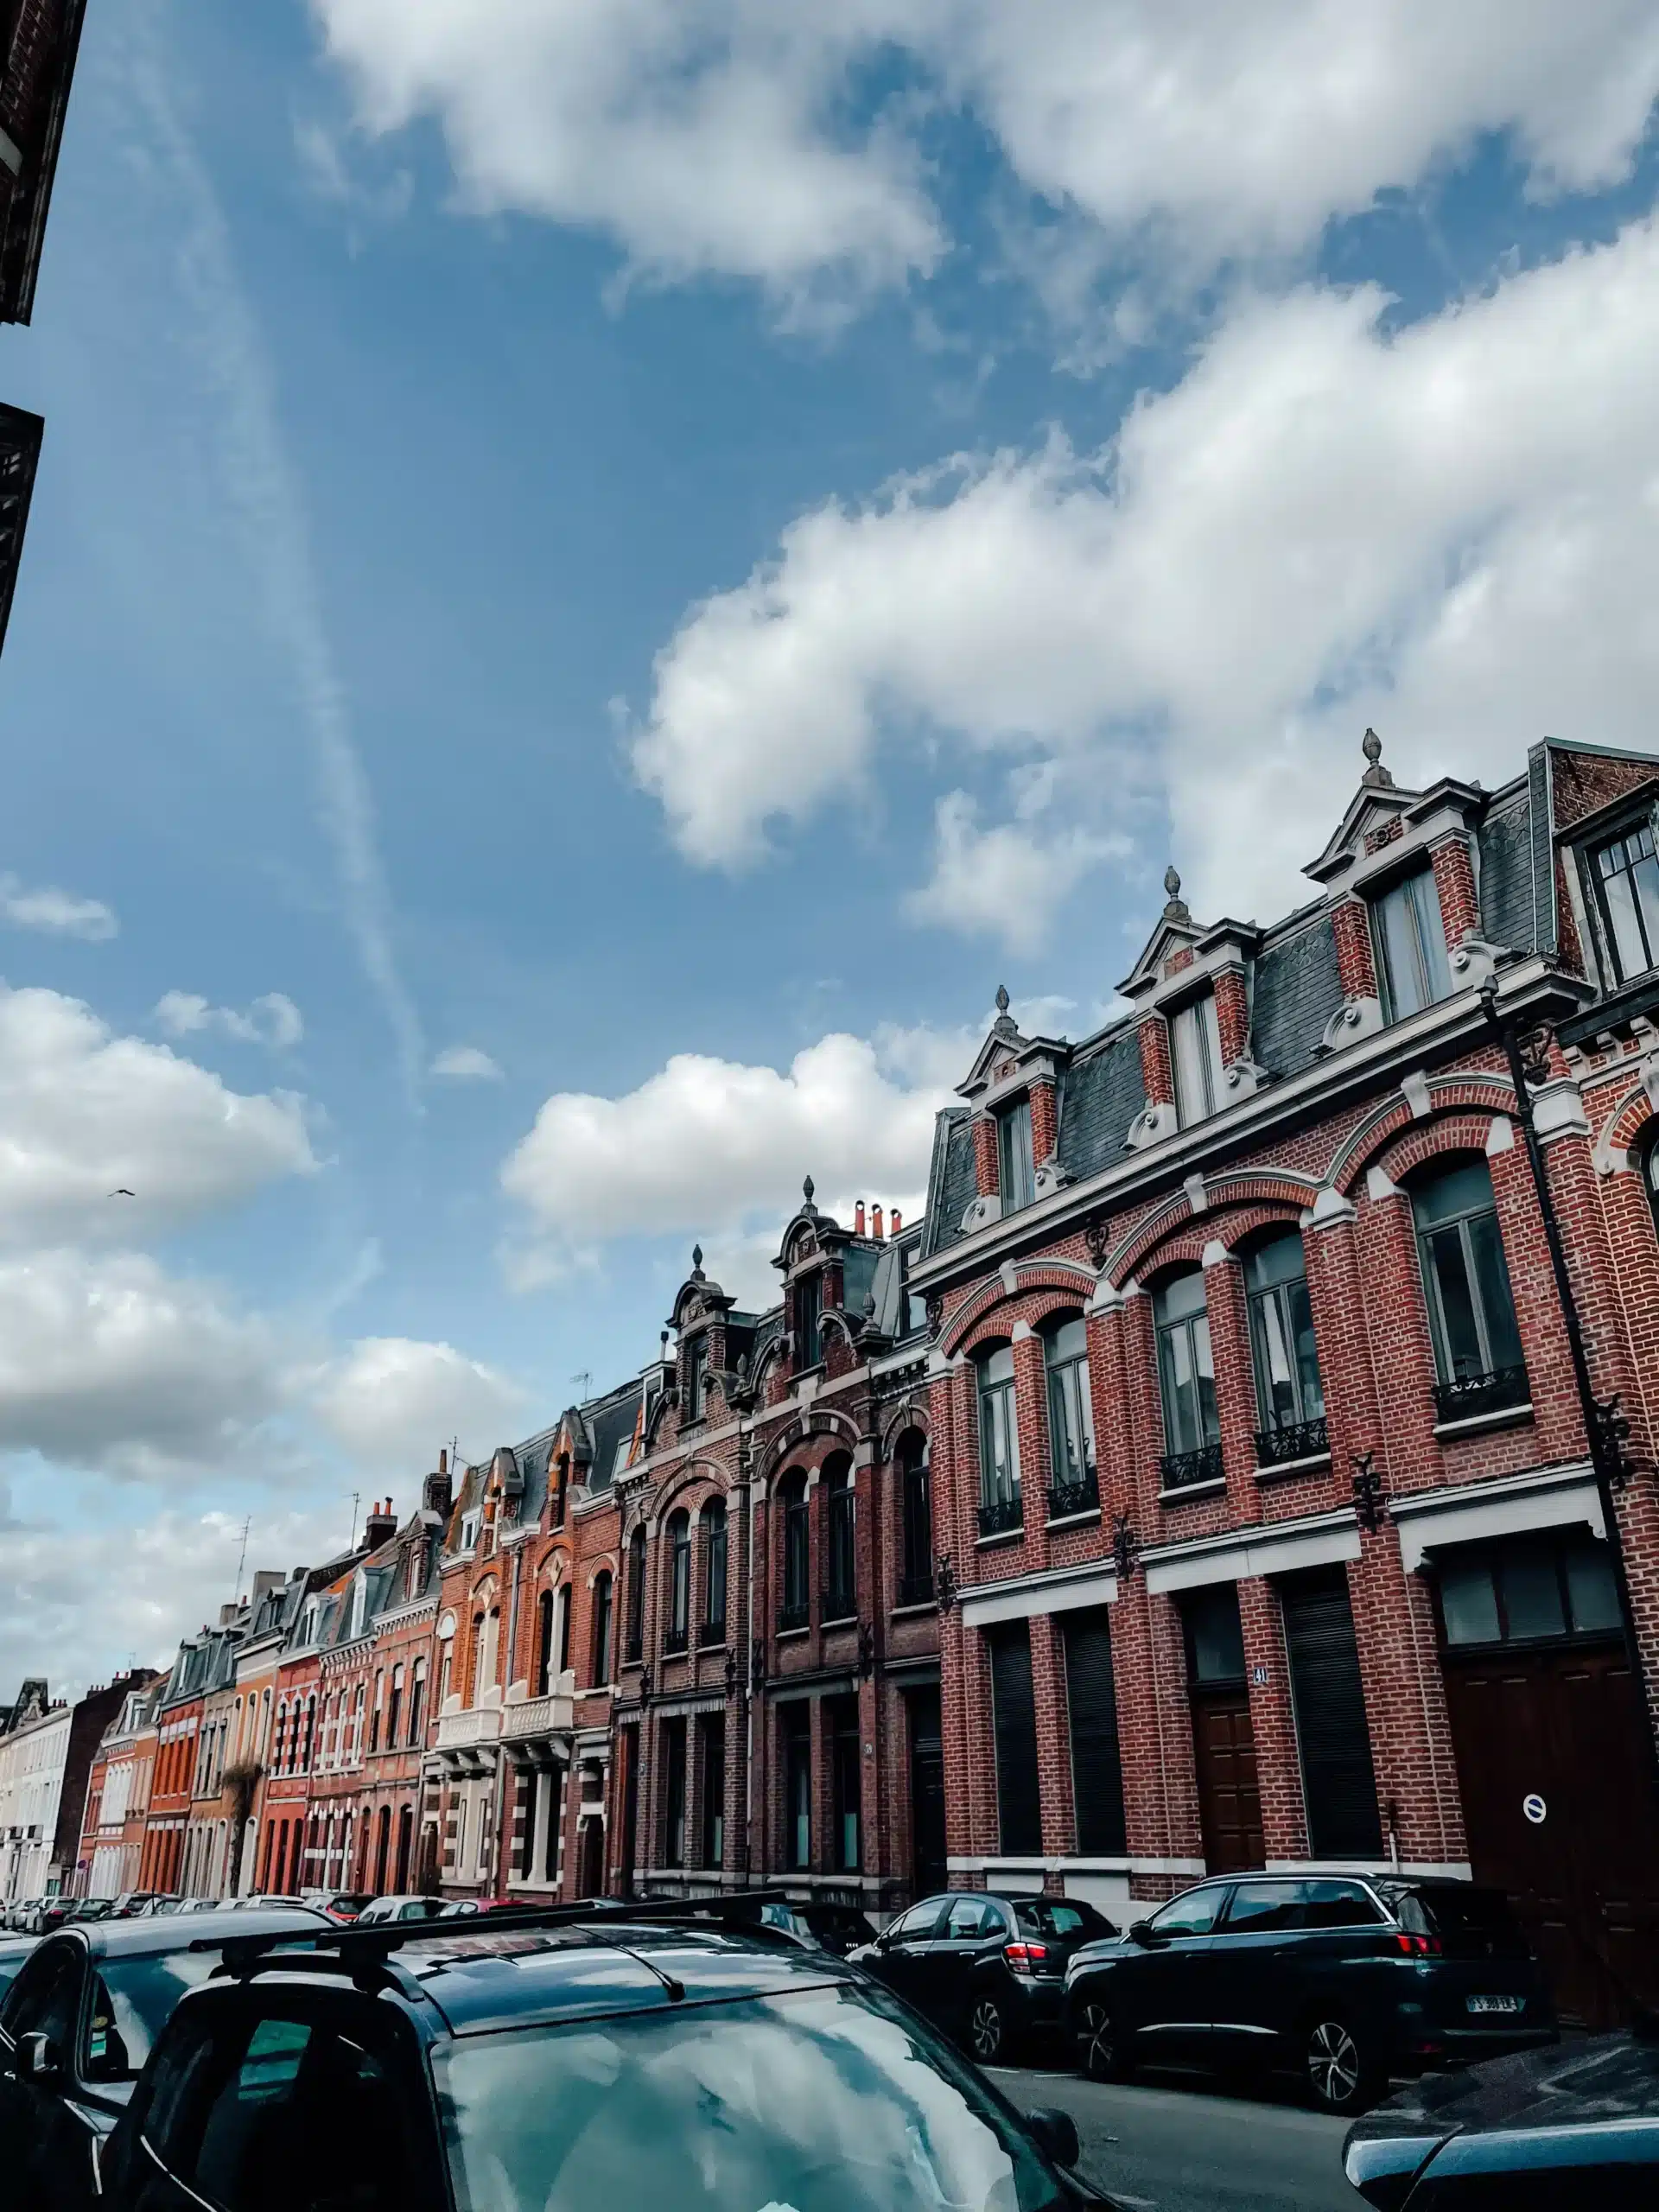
x=858, y=1219
x=875, y=1224
x=443, y=1462
x=895, y=1224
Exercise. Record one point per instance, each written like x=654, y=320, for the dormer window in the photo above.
x=1016, y=1171
x=696, y=1360
x=469, y=1529
x=809, y=1306
x=1625, y=873
x=1195, y=1059
x=1410, y=937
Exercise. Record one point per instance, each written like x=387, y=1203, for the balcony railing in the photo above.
x=837, y=1605
x=676, y=1639
x=1467, y=1397
x=1296, y=1439
x=792, y=1616
x=917, y=1589
x=634, y=1649
x=457, y=1730
x=711, y=1633
x=1081, y=1496
x=537, y=1716
x=1187, y=1470
x=1000, y=1516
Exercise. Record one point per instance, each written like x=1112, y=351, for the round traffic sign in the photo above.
x=1535, y=1808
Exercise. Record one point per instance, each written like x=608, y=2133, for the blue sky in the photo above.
x=665, y=550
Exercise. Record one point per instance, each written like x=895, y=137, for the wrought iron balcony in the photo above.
x=1467, y=1397
x=1000, y=1516
x=837, y=1605
x=917, y=1589
x=676, y=1639
x=634, y=1649
x=1296, y=1439
x=1187, y=1470
x=792, y=1616
x=711, y=1633
x=1081, y=1496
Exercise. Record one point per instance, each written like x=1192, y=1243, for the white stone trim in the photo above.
x=1544, y=1498
x=1265, y=1547
x=1054, y=1591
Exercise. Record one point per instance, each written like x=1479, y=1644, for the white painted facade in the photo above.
x=32, y=1762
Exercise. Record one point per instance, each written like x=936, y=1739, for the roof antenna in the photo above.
x=585, y=1379
x=236, y=1594
x=351, y=1545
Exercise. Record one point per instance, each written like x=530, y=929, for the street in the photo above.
x=1179, y=2147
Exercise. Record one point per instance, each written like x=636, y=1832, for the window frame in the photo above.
x=1016, y=1163
x=602, y=1609
x=1595, y=879
x=794, y=1550
x=1277, y=1296
x=795, y=1724
x=840, y=1540
x=1558, y=1545
x=999, y=1485
x=1205, y=1018
x=1426, y=946
x=676, y=1630
x=806, y=1302
x=1072, y=1466
x=635, y=1646
x=915, y=1514
x=1166, y=1330
x=712, y=1527
x=694, y=1366
x=1462, y=1221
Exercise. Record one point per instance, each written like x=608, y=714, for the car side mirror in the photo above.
x=37, y=2057
x=1141, y=1932
x=1057, y=2133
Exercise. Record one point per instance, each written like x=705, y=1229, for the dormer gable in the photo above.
x=1181, y=952
x=1008, y=1060
x=1383, y=824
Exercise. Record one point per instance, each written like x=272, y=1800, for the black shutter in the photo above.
x=1091, y=1699
x=1018, y=1812
x=1338, y=1780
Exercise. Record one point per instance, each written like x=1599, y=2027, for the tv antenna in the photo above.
x=585, y=1379
x=351, y=1545
x=242, y=1560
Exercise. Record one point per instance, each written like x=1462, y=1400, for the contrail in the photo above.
x=260, y=482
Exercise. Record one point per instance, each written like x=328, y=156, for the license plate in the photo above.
x=1494, y=2004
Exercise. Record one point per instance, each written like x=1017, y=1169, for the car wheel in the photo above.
x=988, y=2028
x=1341, y=2075
x=1099, y=2054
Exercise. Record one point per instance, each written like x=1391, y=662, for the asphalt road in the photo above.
x=1177, y=2148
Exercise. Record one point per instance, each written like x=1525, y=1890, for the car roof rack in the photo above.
x=357, y=1946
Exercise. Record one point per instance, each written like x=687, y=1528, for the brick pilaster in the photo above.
x=1273, y=1723
x=985, y=1179
x=1454, y=879
x=1232, y=1015
x=1053, y=1737
x=1153, y=1035
x=1045, y=1122
x=1230, y=1349
x=1351, y=924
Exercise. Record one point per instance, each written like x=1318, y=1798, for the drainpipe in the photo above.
x=1600, y=1417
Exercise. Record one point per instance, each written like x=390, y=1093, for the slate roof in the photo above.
x=1507, y=906
x=1297, y=991
x=951, y=1182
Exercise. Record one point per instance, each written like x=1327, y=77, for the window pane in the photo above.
x=1013, y=1144
x=1299, y=1311
x=1532, y=1594
x=1452, y=1301
x=1492, y=1281
x=1176, y=1300
x=998, y=1365
x=1207, y=1413
x=1275, y=1380
x=1068, y=1341
x=1193, y=1915
x=1337, y=1904
x=1645, y=875
x=1279, y=1262
x=1425, y=896
x=1215, y=1639
x=1454, y=1191
x=1619, y=894
x=1259, y=1907
x=1181, y=1402
x=1396, y=930
x=1469, y=1603
x=1195, y=1052
x=1591, y=1590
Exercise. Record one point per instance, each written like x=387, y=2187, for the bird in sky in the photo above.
x=123, y=1193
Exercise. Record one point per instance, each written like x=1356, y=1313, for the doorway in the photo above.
x=1224, y=1741
x=927, y=1850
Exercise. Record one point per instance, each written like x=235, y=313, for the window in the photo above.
x=560, y=1490
x=1014, y=1728
x=1215, y=1638
x=1289, y=1397
x=468, y=1530
x=1625, y=875
x=544, y=1643
x=1195, y=1060
x=292, y=2081
x=697, y=1355
x=601, y=1630
x=1529, y=1589
x=792, y=1498
x=795, y=1724
x=713, y=1792
x=1016, y=1175
x=417, y=1701
x=1195, y=1914
x=636, y=1593
x=714, y=1570
x=1410, y=940
x=1092, y=1710
x=916, y=1513
x=565, y=1610
x=809, y=1306
x=845, y=1772
x=1466, y=1282
x=1653, y=1180
x=999, y=1444
x=1071, y=1418
x=1186, y=1382
x=679, y=1582
x=394, y=1709
x=673, y=1793
x=840, y=1509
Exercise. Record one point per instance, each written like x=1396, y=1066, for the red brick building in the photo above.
x=1278, y=1530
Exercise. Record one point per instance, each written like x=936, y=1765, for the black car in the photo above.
x=14, y=1950
x=76, y=2025
x=630, y=2058
x=1347, y=1979
x=1577, y=2124
x=989, y=1969
x=842, y=1928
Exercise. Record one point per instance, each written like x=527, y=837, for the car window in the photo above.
x=45, y=1996
x=132, y=2001
x=970, y=1917
x=920, y=1920
x=1260, y=1908
x=1191, y=1915
x=1338, y=1905
x=1049, y=1917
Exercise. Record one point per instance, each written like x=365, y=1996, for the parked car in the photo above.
x=344, y=1905
x=404, y=1908
x=130, y=1902
x=274, y=1905
x=989, y=1969
x=13, y=1952
x=1577, y=2124
x=56, y=1912
x=76, y=2026
x=700, y=2065
x=840, y=1928
x=469, y=1907
x=1347, y=1979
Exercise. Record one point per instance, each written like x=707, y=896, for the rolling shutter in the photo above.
x=1097, y=1767
x=1018, y=1812
x=1339, y=1782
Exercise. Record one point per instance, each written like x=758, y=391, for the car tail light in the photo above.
x=1024, y=1957
x=1417, y=1947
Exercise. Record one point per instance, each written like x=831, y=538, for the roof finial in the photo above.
x=808, y=1186
x=1001, y=998
x=1371, y=746
x=1172, y=882
x=696, y=1259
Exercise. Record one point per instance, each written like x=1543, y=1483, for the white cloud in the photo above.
x=1448, y=532
x=393, y=1404
x=55, y=913
x=712, y=134
x=84, y=1113
x=466, y=1064
x=271, y=1018
x=1008, y=881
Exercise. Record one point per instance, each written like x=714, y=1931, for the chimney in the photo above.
x=381, y=1526
x=227, y=1613
x=437, y=1496
x=896, y=1223
x=858, y=1219
x=267, y=1580
x=875, y=1223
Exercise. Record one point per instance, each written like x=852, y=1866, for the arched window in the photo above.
x=999, y=1444
x=679, y=1582
x=544, y=1643
x=562, y=1601
x=1072, y=1484
x=1653, y=1180
x=310, y=1734
x=395, y=1708
x=1478, y=1354
x=714, y=1570
x=601, y=1630
x=418, y=1701
x=916, y=1518
x=636, y=1593
x=1186, y=1383
x=1289, y=1395
x=795, y=1609
x=475, y=1675
x=839, y=1593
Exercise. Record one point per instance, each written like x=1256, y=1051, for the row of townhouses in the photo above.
x=1248, y=1461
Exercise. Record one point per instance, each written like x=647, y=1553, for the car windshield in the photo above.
x=1464, y=1919
x=132, y=2001
x=1047, y=1916
x=823, y=2100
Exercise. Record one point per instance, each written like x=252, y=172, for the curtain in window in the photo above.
x=1186, y=1373
x=1288, y=1391
x=1411, y=943
x=999, y=1435
x=1466, y=1278
x=1195, y=1057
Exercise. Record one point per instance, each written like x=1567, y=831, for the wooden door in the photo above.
x=1559, y=1731
x=1229, y=1798
x=590, y=1860
x=926, y=1793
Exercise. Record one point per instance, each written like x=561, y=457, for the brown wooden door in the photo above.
x=1564, y=1728
x=1229, y=1799
x=590, y=1860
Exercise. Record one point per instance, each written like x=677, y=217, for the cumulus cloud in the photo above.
x=713, y=134
x=1009, y=880
x=272, y=1019
x=55, y=913
x=85, y=1113
x=466, y=1064
x=392, y=1403
x=1446, y=531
